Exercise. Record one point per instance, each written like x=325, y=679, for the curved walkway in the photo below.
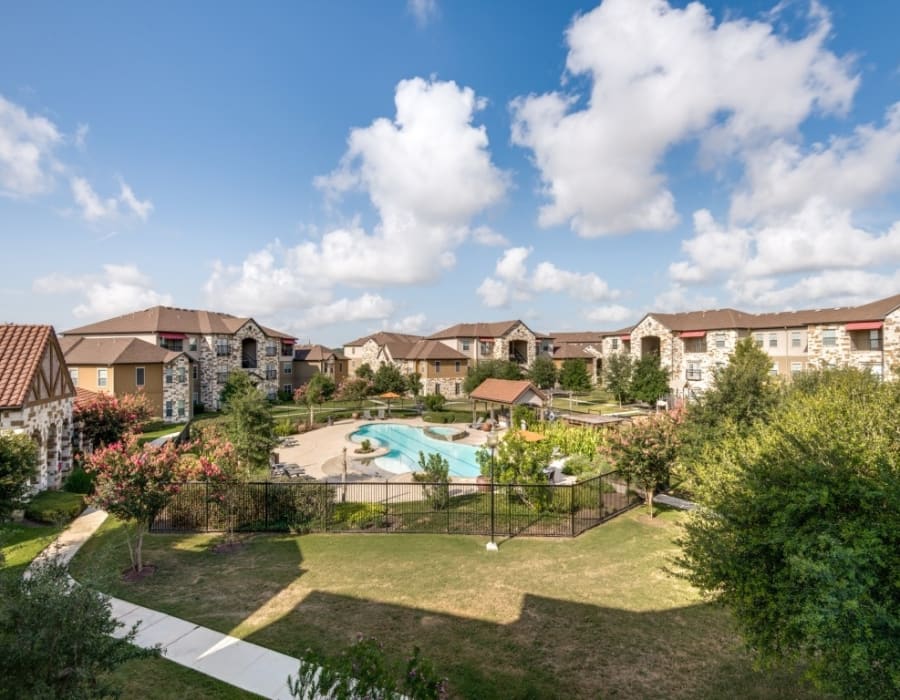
x=229, y=659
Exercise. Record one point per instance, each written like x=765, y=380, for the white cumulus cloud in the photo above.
x=26, y=151
x=118, y=289
x=609, y=313
x=660, y=77
x=95, y=208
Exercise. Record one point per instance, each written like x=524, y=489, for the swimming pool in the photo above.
x=405, y=443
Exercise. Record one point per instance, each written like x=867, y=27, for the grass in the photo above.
x=52, y=507
x=20, y=543
x=159, y=431
x=596, y=616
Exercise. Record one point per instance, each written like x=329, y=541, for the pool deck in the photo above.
x=320, y=452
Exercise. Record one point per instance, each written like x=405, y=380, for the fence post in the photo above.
x=571, y=510
x=266, y=505
x=324, y=508
x=386, y=497
x=447, y=486
x=509, y=531
x=206, y=499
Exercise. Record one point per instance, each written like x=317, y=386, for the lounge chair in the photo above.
x=380, y=414
x=367, y=415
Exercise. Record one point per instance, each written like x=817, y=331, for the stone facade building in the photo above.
x=502, y=340
x=36, y=396
x=370, y=349
x=310, y=360
x=587, y=347
x=215, y=343
x=122, y=366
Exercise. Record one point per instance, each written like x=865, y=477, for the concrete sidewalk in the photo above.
x=229, y=659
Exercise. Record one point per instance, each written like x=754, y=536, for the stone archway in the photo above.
x=249, y=348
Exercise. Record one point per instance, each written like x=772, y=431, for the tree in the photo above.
x=219, y=466
x=250, y=427
x=649, y=379
x=436, y=474
x=497, y=369
x=56, y=638
x=573, y=376
x=542, y=372
x=800, y=536
x=18, y=464
x=435, y=402
x=364, y=371
x=643, y=451
x=389, y=378
x=106, y=419
x=617, y=375
x=315, y=392
x=135, y=483
x=355, y=390
x=517, y=461
x=414, y=384
x=239, y=382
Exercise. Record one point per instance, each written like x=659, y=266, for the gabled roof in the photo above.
x=704, y=320
x=573, y=351
x=425, y=350
x=83, y=397
x=506, y=391
x=479, y=330
x=21, y=350
x=384, y=337
x=316, y=353
x=578, y=337
x=113, y=351
x=167, y=319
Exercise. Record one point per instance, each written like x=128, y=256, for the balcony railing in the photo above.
x=271, y=374
x=223, y=350
x=248, y=363
x=271, y=352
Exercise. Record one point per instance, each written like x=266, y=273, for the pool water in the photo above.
x=405, y=442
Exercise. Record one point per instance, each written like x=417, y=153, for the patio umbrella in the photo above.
x=389, y=396
x=530, y=436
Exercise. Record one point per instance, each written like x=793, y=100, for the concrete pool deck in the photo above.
x=319, y=452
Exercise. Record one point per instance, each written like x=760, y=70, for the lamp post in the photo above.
x=492, y=444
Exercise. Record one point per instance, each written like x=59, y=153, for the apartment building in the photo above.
x=217, y=343
x=501, y=340
x=310, y=360
x=586, y=347
x=36, y=397
x=372, y=349
x=120, y=366
x=442, y=370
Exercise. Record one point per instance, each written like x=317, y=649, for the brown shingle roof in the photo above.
x=21, y=350
x=572, y=351
x=167, y=319
x=506, y=391
x=384, y=337
x=477, y=330
x=113, y=351
x=315, y=353
x=578, y=337
x=426, y=350
x=83, y=397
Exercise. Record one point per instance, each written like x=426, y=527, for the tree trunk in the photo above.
x=649, y=493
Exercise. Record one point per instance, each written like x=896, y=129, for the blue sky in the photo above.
x=338, y=168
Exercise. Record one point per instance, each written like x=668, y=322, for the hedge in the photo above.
x=54, y=507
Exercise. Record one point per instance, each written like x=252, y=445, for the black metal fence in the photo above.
x=548, y=510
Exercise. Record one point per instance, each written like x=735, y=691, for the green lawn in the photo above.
x=159, y=432
x=595, y=616
x=147, y=679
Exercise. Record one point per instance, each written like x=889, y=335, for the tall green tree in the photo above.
x=365, y=371
x=542, y=372
x=435, y=473
x=496, y=369
x=617, y=375
x=389, y=378
x=238, y=382
x=56, y=638
x=18, y=464
x=800, y=534
x=355, y=390
x=315, y=392
x=573, y=376
x=250, y=427
x=649, y=380
x=414, y=384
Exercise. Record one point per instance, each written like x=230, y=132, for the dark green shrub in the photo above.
x=447, y=417
x=78, y=481
x=434, y=402
x=285, y=427
x=54, y=507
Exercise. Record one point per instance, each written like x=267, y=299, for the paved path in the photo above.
x=229, y=659
x=668, y=500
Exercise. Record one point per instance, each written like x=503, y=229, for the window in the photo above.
x=486, y=347
x=465, y=345
x=615, y=343
x=221, y=377
x=194, y=371
x=773, y=340
x=181, y=408
x=287, y=349
x=169, y=408
x=287, y=367
x=182, y=374
x=695, y=344
x=829, y=337
x=102, y=376
x=139, y=376
x=192, y=343
x=437, y=366
x=758, y=339
x=875, y=341
x=73, y=372
x=196, y=397
x=169, y=375
x=456, y=389
x=545, y=347
x=437, y=387
x=457, y=366
x=774, y=369
x=222, y=347
x=175, y=344
x=796, y=368
x=271, y=350
x=720, y=340
x=288, y=388
x=694, y=373
x=796, y=340
x=271, y=372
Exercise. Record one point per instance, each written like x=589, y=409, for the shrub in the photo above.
x=447, y=417
x=78, y=481
x=54, y=507
x=434, y=402
x=285, y=427
x=365, y=446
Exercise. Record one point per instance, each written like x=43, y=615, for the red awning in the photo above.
x=625, y=336
x=692, y=334
x=173, y=336
x=865, y=326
